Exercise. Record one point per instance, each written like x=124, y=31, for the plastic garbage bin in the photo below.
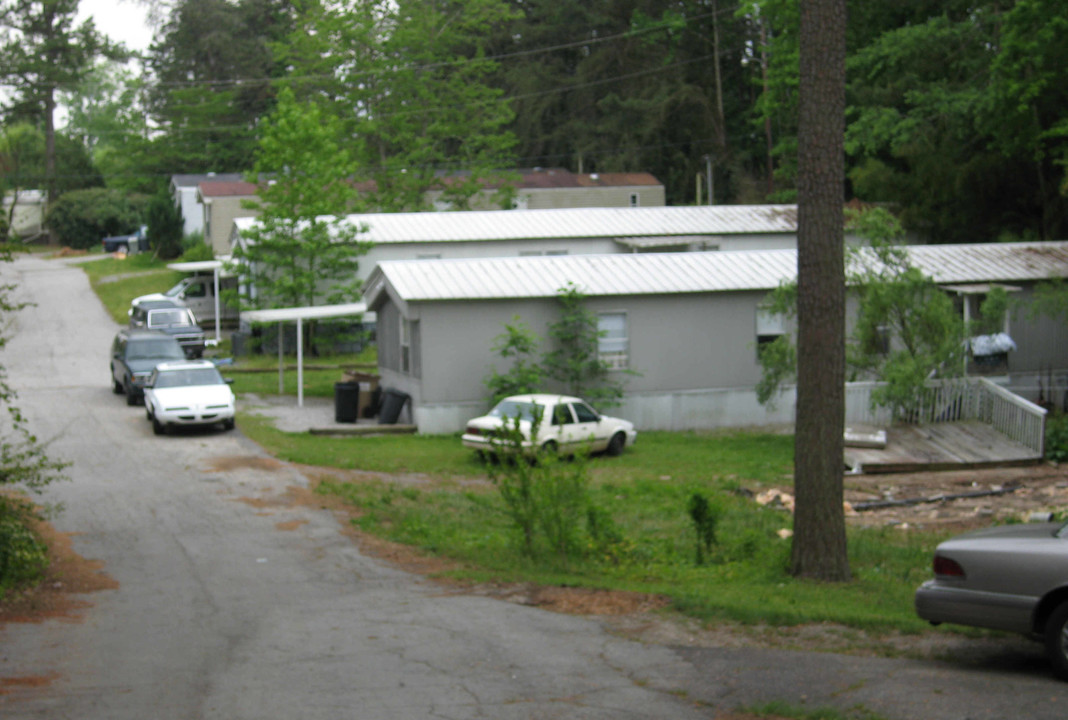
x=346, y=401
x=392, y=403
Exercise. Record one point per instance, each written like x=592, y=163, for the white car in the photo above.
x=188, y=393
x=564, y=423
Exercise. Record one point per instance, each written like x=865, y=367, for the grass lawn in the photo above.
x=651, y=542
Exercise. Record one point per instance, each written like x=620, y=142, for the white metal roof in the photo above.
x=621, y=223
x=316, y=312
x=688, y=272
x=195, y=266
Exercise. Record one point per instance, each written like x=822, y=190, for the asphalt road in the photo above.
x=229, y=607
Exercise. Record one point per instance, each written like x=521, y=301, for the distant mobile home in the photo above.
x=687, y=325
x=573, y=231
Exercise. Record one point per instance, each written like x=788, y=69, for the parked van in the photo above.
x=197, y=292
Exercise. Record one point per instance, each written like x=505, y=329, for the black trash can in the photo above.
x=346, y=402
x=392, y=403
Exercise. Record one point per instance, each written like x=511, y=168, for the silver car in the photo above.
x=1011, y=577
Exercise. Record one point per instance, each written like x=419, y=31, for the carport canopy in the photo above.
x=299, y=315
x=218, y=269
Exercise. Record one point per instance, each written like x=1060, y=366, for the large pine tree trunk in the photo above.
x=819, y=544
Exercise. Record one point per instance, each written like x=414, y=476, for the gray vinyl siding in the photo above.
x=1041, y=342
x=674, y=342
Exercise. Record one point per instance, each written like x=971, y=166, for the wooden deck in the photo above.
x=940, y=446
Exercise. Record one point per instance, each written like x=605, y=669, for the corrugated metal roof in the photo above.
x=992, y=262
x=594, y=275
x=571, y=223
x=673, y=273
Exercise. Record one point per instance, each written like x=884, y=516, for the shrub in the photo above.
x=23, y=558
x=1057, y=437
x=82, y=218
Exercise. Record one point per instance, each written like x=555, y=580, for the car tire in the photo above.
x=158, y=428
x=616, y=445
x=549, y=446
x=131, y=397
x=1056, y=638
x=116, y=387
x=228, y=424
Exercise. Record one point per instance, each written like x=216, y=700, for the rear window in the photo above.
x=522, y=410
x=162, y=348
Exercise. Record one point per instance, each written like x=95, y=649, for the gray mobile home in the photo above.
x=687, y=324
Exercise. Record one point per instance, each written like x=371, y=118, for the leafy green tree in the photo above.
x=165, y=226
x=301, y=251
x=518, y=344
x=408, y=80
x=42, y=51
x=907, y=328
x=573, y=359
x=82, y=218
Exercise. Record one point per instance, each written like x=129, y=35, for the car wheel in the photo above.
x=228, y=424
x=116, y=386
x=549, y=446
x=1057, y=640
x=131, y=396
x=616, y=444
x=158, y=428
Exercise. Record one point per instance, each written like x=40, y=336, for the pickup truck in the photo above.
x=132, y=243
x=197, y=292
x=178, y=322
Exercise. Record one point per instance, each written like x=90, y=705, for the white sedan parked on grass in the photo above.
x=566, y=424
x=188, y=393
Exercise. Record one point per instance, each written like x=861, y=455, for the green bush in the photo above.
x=194, y=249
x=82, y=218
x=1057, y=437
x=23, y=558
x=164, y=221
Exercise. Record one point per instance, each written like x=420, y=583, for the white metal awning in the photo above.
x=299, y=315
x=218, y=269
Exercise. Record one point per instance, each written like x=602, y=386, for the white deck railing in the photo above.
x=955, y=401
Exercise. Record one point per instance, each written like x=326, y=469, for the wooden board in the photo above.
x=940, y=446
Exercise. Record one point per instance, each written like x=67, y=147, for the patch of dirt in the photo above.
x=957, y=499
x=69, y=576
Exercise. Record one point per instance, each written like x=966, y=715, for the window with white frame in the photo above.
x=405, y=345
x=635, y=200
x=612, y=341
x=770, y=326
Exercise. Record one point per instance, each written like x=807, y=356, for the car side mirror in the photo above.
x=228, y=381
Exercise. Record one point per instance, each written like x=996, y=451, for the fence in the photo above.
x=957, y=401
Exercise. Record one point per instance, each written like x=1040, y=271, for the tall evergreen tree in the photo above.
x=213, y=70
x=41, y=51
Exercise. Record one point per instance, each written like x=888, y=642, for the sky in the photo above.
x=121, y=20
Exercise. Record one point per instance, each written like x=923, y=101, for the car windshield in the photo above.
x=159, y=318
x=177, y=289
x=163, y=349
x=185, y=378
x=511, y=409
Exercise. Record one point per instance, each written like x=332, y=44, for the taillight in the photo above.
x=473, y=431
x=946, y=567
